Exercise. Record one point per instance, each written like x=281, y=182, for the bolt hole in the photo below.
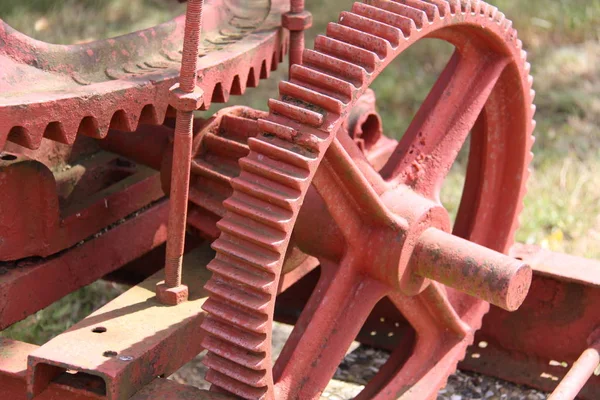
x=519, y=258
x=373, y=333
x=483, y=345
x=109, y=353
x=475, y=355
x=8, y=157
x=99, y=329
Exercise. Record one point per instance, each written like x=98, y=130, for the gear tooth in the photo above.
x=309, y=97
x=252, y=231
x=465, y=6
x=455, y=6
x=222, y=146
x=404, y=24
x=519, y=44
x=483, y=8
x=499, y=17
x=265, y=189
x=442, y=6
x=234, y=370
x=357, y=36
x=254, y=360
x=261, y=211
x=380, y=29
x=418, y=16
x=246, y=251
x=228, y=267
x=238, y=294
x=240, y=128
x=235, y=387
x=257, y=323
x=492, y=11
x=211, y=201
x=286, y=174
x=365, y=59
x=278, y=149
x=222, y=331
x=430, y=9
x=296, y=113
x=335, y=66
x=332, y=86
x=215, y=168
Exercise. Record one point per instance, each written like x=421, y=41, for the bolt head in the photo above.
x=297, y=21
x=171, y=296
x=184, y=101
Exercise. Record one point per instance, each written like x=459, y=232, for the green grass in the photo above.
x=562, y=209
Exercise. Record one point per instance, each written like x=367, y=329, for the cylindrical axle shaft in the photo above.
x=471, y=268
x=577, y=376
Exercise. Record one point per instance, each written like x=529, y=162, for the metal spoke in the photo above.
x=332, y=318
x=429, y=147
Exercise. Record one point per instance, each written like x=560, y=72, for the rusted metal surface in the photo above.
x=185, y=98
x=297, y=20
x=378, y=217
x=30, y=285
x=45, y=211
x=123, y=81
x=313, y=182
x=476, y=270
x=13, y=373
x=128, y=342
x=537, y=344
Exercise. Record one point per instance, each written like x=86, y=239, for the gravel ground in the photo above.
x=362, y=363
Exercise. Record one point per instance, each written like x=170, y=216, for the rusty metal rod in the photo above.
x=182, y=152
x=296, y=37
x=471, y=268
x=578, y=375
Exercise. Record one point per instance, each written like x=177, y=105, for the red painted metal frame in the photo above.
x=128, y=342
x=47, y=226
x=537, y=344
x=13, y=383
x=28, y=286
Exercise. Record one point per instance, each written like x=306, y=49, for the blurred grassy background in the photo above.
x=562, y=37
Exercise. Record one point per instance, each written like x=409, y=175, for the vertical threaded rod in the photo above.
x=297, y=32
x=172, y=291
x=191, y=44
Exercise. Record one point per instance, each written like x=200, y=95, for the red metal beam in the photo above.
x=537, y=344
x=129, y=342
x=30, y=286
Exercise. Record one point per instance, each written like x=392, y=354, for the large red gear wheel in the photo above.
x=388, y=221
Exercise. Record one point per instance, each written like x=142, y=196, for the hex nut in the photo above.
x=171, y=296
x=184, y=101
x=297, y=21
